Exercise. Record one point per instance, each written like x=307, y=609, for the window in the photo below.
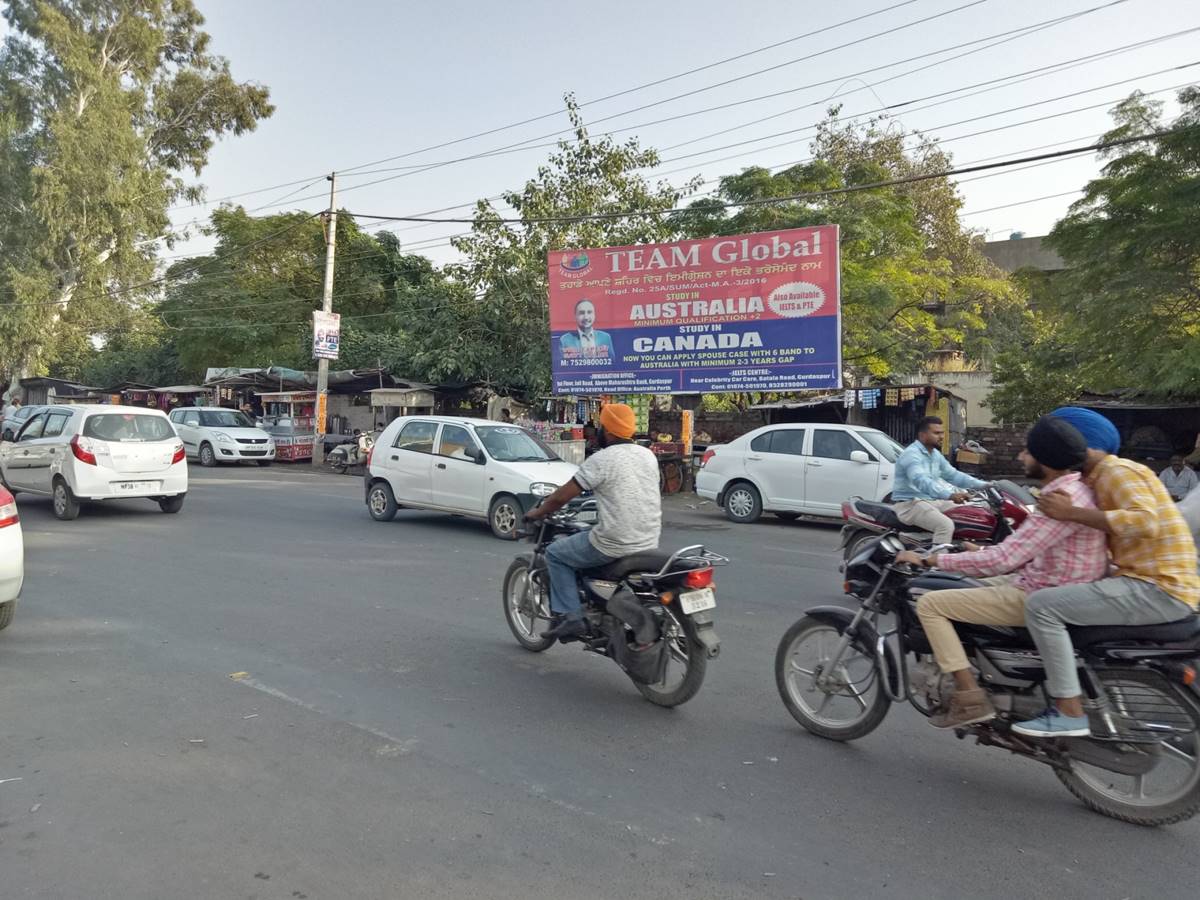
x=176, y=417
x=789, y=441
x=225, y=418
x=191, y=419
x=131, y=427
x=834, y=444
x=887, y=448
x=457, y=443
x=55, y=422
x=762, y=443
x=33, y=428
x=508, y=443
x=417, y=436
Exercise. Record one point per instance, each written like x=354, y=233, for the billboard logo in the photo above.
x=796, y=299
x=574, y=263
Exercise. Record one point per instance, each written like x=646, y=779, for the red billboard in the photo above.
x=750, y=312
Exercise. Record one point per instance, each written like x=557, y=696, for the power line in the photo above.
x=976, y=212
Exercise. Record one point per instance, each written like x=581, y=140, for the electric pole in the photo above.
x=318, y=456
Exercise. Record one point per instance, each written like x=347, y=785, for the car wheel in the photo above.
x=743, y=503
x=66, y=505
x=171, y=504
x=505, y=517
x=208, y=458
x=7, y=610
x=381, y=502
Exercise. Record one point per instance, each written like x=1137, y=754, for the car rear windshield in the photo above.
x=128, y=427
x=507, y=443
x=887, y=448
x=226, y=418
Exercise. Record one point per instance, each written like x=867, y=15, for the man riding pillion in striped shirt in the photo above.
x=925, y=483
x=1043, y=552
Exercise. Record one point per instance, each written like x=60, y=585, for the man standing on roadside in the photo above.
x=1178, y=478
x=926, y=482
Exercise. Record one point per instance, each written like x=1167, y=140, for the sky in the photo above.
x=361, y=81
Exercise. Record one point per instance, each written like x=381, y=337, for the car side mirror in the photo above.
x=859, y=456
x=477, y=455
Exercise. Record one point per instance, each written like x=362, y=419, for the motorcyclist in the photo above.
x=1044, y=552
x=925, y=483
x=623, y=478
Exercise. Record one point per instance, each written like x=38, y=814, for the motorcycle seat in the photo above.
x=880, y=513
x=1182, y=631
x=638, y=563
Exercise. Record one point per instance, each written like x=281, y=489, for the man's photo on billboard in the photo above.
x=586, y=342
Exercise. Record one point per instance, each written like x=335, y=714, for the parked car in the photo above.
x=214, y=435
x=797, y=469
x=472, y=467
x=94, y=452
x=12, y=558
x=10, y=425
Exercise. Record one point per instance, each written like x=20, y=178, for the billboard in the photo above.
x=751, y=312
x=327, y=331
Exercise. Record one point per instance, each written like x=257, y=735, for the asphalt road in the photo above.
x=271, y=696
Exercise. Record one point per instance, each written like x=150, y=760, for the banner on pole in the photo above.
x=752, y=312
x=327, y=330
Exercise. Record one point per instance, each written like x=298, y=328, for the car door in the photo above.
x=775, y=462
x=47, y=450
x=458, y=480
x=187, y=426
x=832, y=476
x=23, y=453
x=410, y=463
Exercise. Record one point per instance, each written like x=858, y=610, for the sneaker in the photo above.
x=966, y=708
x=1052, y=723
x=565, y=628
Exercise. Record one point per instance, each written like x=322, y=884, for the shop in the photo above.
x=392, y=403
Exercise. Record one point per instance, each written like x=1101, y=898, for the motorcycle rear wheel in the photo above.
x=1124, y=797
x=687, y=662
x=811, y=705
x=526, y=609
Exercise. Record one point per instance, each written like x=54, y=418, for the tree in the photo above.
x=912, y=280
x=490, y=324
x=104, y=105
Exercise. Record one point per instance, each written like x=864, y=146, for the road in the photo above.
x=271, y=696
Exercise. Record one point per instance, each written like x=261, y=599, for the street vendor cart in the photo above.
x=289, y=417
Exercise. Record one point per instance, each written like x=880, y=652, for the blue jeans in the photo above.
x=564, y=558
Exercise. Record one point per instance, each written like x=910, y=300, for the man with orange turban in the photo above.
x=623, y=479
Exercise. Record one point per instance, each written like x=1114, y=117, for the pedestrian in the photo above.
x=1178, y=478
x=12, y=406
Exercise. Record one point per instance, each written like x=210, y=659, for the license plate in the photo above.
x=696, y=601
x=136, y=485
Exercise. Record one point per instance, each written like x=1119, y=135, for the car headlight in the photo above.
x=222, y=436
x=542, y=488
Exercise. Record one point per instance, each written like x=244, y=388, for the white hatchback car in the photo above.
x=797, y=469
x=95, y=452
x=472, y=467
x=12, y=558
x=213, y=434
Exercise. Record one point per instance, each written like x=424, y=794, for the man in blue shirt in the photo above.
x=925, y=483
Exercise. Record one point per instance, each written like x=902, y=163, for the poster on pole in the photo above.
x=751, y=312
x=327, y=330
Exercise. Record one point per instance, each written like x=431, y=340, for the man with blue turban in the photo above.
x=1153, y=578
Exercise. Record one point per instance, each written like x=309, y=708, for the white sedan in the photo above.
x=213, y=434
x=12, y=558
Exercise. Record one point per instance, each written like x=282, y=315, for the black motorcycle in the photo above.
x=838, y=673
x=660, y=602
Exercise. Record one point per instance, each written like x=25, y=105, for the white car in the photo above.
x=213, y=435
x=797, y=469
x=95, y=452
x=472, y=467
x=12, y=558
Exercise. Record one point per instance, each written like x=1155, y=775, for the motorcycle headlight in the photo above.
x=542, y=488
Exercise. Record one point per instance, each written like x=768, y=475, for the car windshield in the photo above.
x=507, y=443
x=887, y=448
x=132, y=427
x=225, y=418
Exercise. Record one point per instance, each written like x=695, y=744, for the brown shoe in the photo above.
x=966, y=708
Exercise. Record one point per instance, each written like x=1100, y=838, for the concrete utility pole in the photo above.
x=318, y=456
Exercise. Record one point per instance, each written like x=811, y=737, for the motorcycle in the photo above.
x=344, y=457
x=838, y=674
x=988, y=517
x=661, y=601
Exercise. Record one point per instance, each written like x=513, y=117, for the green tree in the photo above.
x=912, y=280
x=490, y=324
x=104, y=106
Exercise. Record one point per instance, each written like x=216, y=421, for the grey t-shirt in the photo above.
x=624, y=478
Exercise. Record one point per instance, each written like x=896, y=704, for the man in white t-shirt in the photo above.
x=1178, y=478
x=623, y=478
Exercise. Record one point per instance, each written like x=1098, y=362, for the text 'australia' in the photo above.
x=688, y=309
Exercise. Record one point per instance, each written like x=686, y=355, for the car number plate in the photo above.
x=696, y=601
x=136, y=485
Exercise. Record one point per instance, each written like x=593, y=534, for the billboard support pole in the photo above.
x=318, y=455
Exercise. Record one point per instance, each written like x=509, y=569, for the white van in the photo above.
x=472, y=467
x=96, y=452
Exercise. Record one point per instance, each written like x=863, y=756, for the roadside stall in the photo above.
x=289, y=417
x=392, y=403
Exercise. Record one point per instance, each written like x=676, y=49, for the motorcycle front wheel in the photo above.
x=526, y=608
x=687, y=661
x=843, y=705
